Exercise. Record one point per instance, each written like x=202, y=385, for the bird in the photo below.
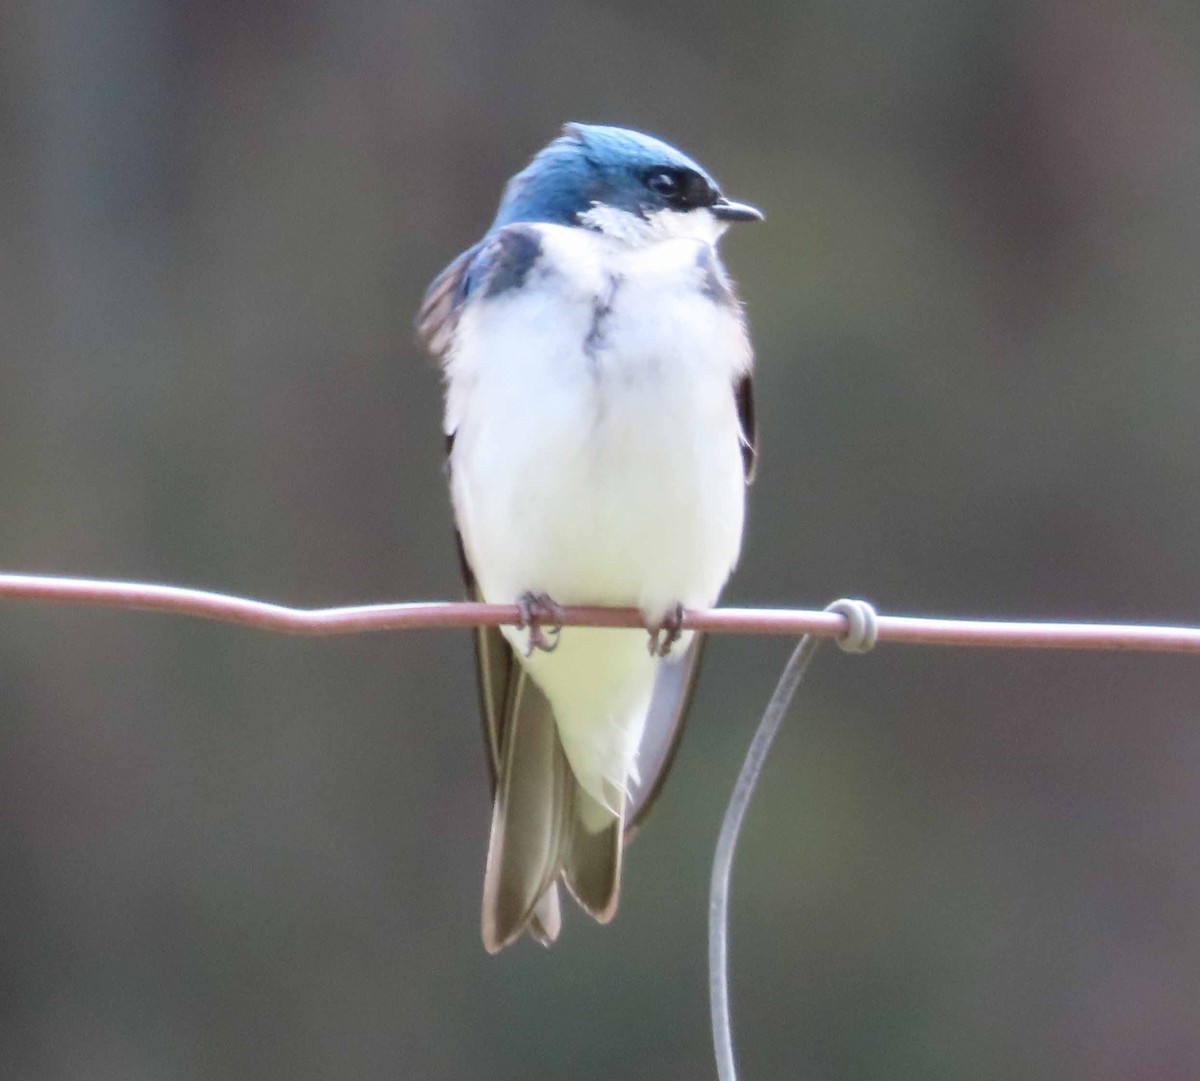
x=600, y=436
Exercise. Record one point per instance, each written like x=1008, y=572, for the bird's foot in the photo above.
x=667, y=632
x=538, y=609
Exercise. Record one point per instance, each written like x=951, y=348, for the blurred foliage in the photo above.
x=975, y=311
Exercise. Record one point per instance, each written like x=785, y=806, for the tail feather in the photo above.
x=544, y=825
x=528, y=821
x=592, y=859
x=546, y=921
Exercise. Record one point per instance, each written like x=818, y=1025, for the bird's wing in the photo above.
x=437, y=318
x=673, y=690
x=496, y=668
x=717, y=287
x=743, y=394
x=499, y=262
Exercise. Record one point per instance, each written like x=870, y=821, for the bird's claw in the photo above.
x=666, y=633
x=536, y=609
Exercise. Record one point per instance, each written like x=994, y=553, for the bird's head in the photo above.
x=623, y=184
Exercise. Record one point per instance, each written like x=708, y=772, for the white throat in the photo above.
x=655, y=227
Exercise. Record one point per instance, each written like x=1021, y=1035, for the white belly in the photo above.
x=601, y=471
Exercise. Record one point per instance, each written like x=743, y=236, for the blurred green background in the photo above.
x=976, y=305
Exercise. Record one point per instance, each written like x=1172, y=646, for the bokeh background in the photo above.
x=976, y=304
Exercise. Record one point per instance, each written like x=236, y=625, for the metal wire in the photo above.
x=281, y=619
x=859, y=638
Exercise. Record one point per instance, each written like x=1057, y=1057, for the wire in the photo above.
x=280, y=619
x=859, y=638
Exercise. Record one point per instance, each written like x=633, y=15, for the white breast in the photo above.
x=597, y=459
x=596, y=451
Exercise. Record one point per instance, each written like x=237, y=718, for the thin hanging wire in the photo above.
x=859, y=638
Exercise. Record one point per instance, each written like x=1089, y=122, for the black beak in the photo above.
x=724, y=210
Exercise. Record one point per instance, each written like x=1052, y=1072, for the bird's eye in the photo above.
x=666, y=184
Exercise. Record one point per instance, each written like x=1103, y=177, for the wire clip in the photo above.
x=863, y=625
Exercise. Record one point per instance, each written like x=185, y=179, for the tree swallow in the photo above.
x=600, y=436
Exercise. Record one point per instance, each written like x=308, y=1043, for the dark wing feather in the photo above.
x=438, y=315
x=673, y=690
x=716, y=286
x=495, y=670
x=499, y=262
x=743, y=394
